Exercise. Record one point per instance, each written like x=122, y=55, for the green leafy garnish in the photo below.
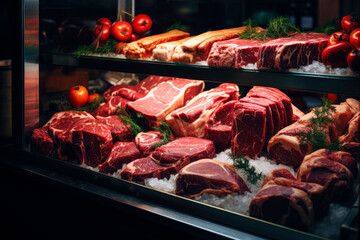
x=318, y=132
x=277, y=27
x=243, y=163
x=108, y=47
x=165, y=129
x=330, y=27
x=179, y=26
x=133, y=120
x=90, y=107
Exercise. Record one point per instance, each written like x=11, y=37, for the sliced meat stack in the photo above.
x=331, y=170
x=190, y=120
x=169, y=159
x=209, y=176
x=165, y=98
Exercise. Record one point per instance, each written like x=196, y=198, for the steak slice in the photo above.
x=143, y=168
x=285, y=205
x=119, y=130
x=111, y=107
x=121, y=153
x=190, y=119
x=41, y=142
x=218, y=127
x=249, y=128
x=184, y=149
x=291, y=52
x=165, y=98
x=145, y=140
x=209, y=176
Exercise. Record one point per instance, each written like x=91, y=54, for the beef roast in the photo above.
x=41, y=142
x=165, y=98
x=248, y=131
x=218, y=127
x=190, y=119
x=209, y=176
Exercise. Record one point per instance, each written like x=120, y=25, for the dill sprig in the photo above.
x=108, y=47
x=133, y=120
x=250, y=172
x=165, y=129
x=277, y=27
x=318, y=132
x=90, y=107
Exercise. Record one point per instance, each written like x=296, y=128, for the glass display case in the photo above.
x=47, y=66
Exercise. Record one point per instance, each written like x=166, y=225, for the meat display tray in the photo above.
x=279, y=79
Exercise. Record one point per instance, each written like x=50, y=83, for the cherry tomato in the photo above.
x=355, y=38
x=105, y=32
x=141, y=23
x=353, y=60
x=121, y=31
x=332, y=97
x=104, y=21
x=335, y=55
x=349, y=23
x=92, y=97
x=78, y=96
x=119, y=49
x=338, y=37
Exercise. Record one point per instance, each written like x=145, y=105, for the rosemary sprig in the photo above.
x=91, y=106
x=165, y=129
x=318, y=133
x=243, y=163
x=132, y=120
x=277, y=27
x=108, y=47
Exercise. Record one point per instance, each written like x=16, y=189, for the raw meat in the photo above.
x=121, y=153
x=111, y=107
x=297, y=113
x=165, y=98
x=41, y=142
x=351, y=138
x=143, y=168
x=249, y=127
x=184, y=149
x=143, y=47
x=334, y=176
x=190, y=119
x=145, y=140
x=283, y=205
x=277, y=173
x=165, y=51
x=209, y=176
x=219, y=125
x=119, y=130
x=291, y=52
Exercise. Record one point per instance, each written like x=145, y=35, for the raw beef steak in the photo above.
x=209, y=176
x=278, y=173
x=111, y=107
x=119, y=130
x=185, y=149
x=190, y=119
x=41, y=142
x=165, y=98
x=249, y=127
x=121, y=153
x=145, y=140
x=291, y=52
x=218, y=127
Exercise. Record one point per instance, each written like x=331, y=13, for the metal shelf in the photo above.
x=349, y=86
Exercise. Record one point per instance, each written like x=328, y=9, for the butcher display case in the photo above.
x=52, y=59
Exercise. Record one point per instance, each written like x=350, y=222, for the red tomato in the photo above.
x=78, y=96
x=104, y=21
x=355, y=38
x=353, y=60
x=119, y=49
x=134, y=37
x=92, y=97
x=332, y=97
x=121, y=31
x=335, y=55
x=141, y=23
x=338, y=37
x=349, y=23
x=105, y=32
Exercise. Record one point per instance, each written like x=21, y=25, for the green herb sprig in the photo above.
x=90, y=107
x=318, y=133
x=277, y=27
x=250, y=172
x=179, y=26
x=330, y=27
x=108, y=47
x=133, y=120
x=165, y=129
